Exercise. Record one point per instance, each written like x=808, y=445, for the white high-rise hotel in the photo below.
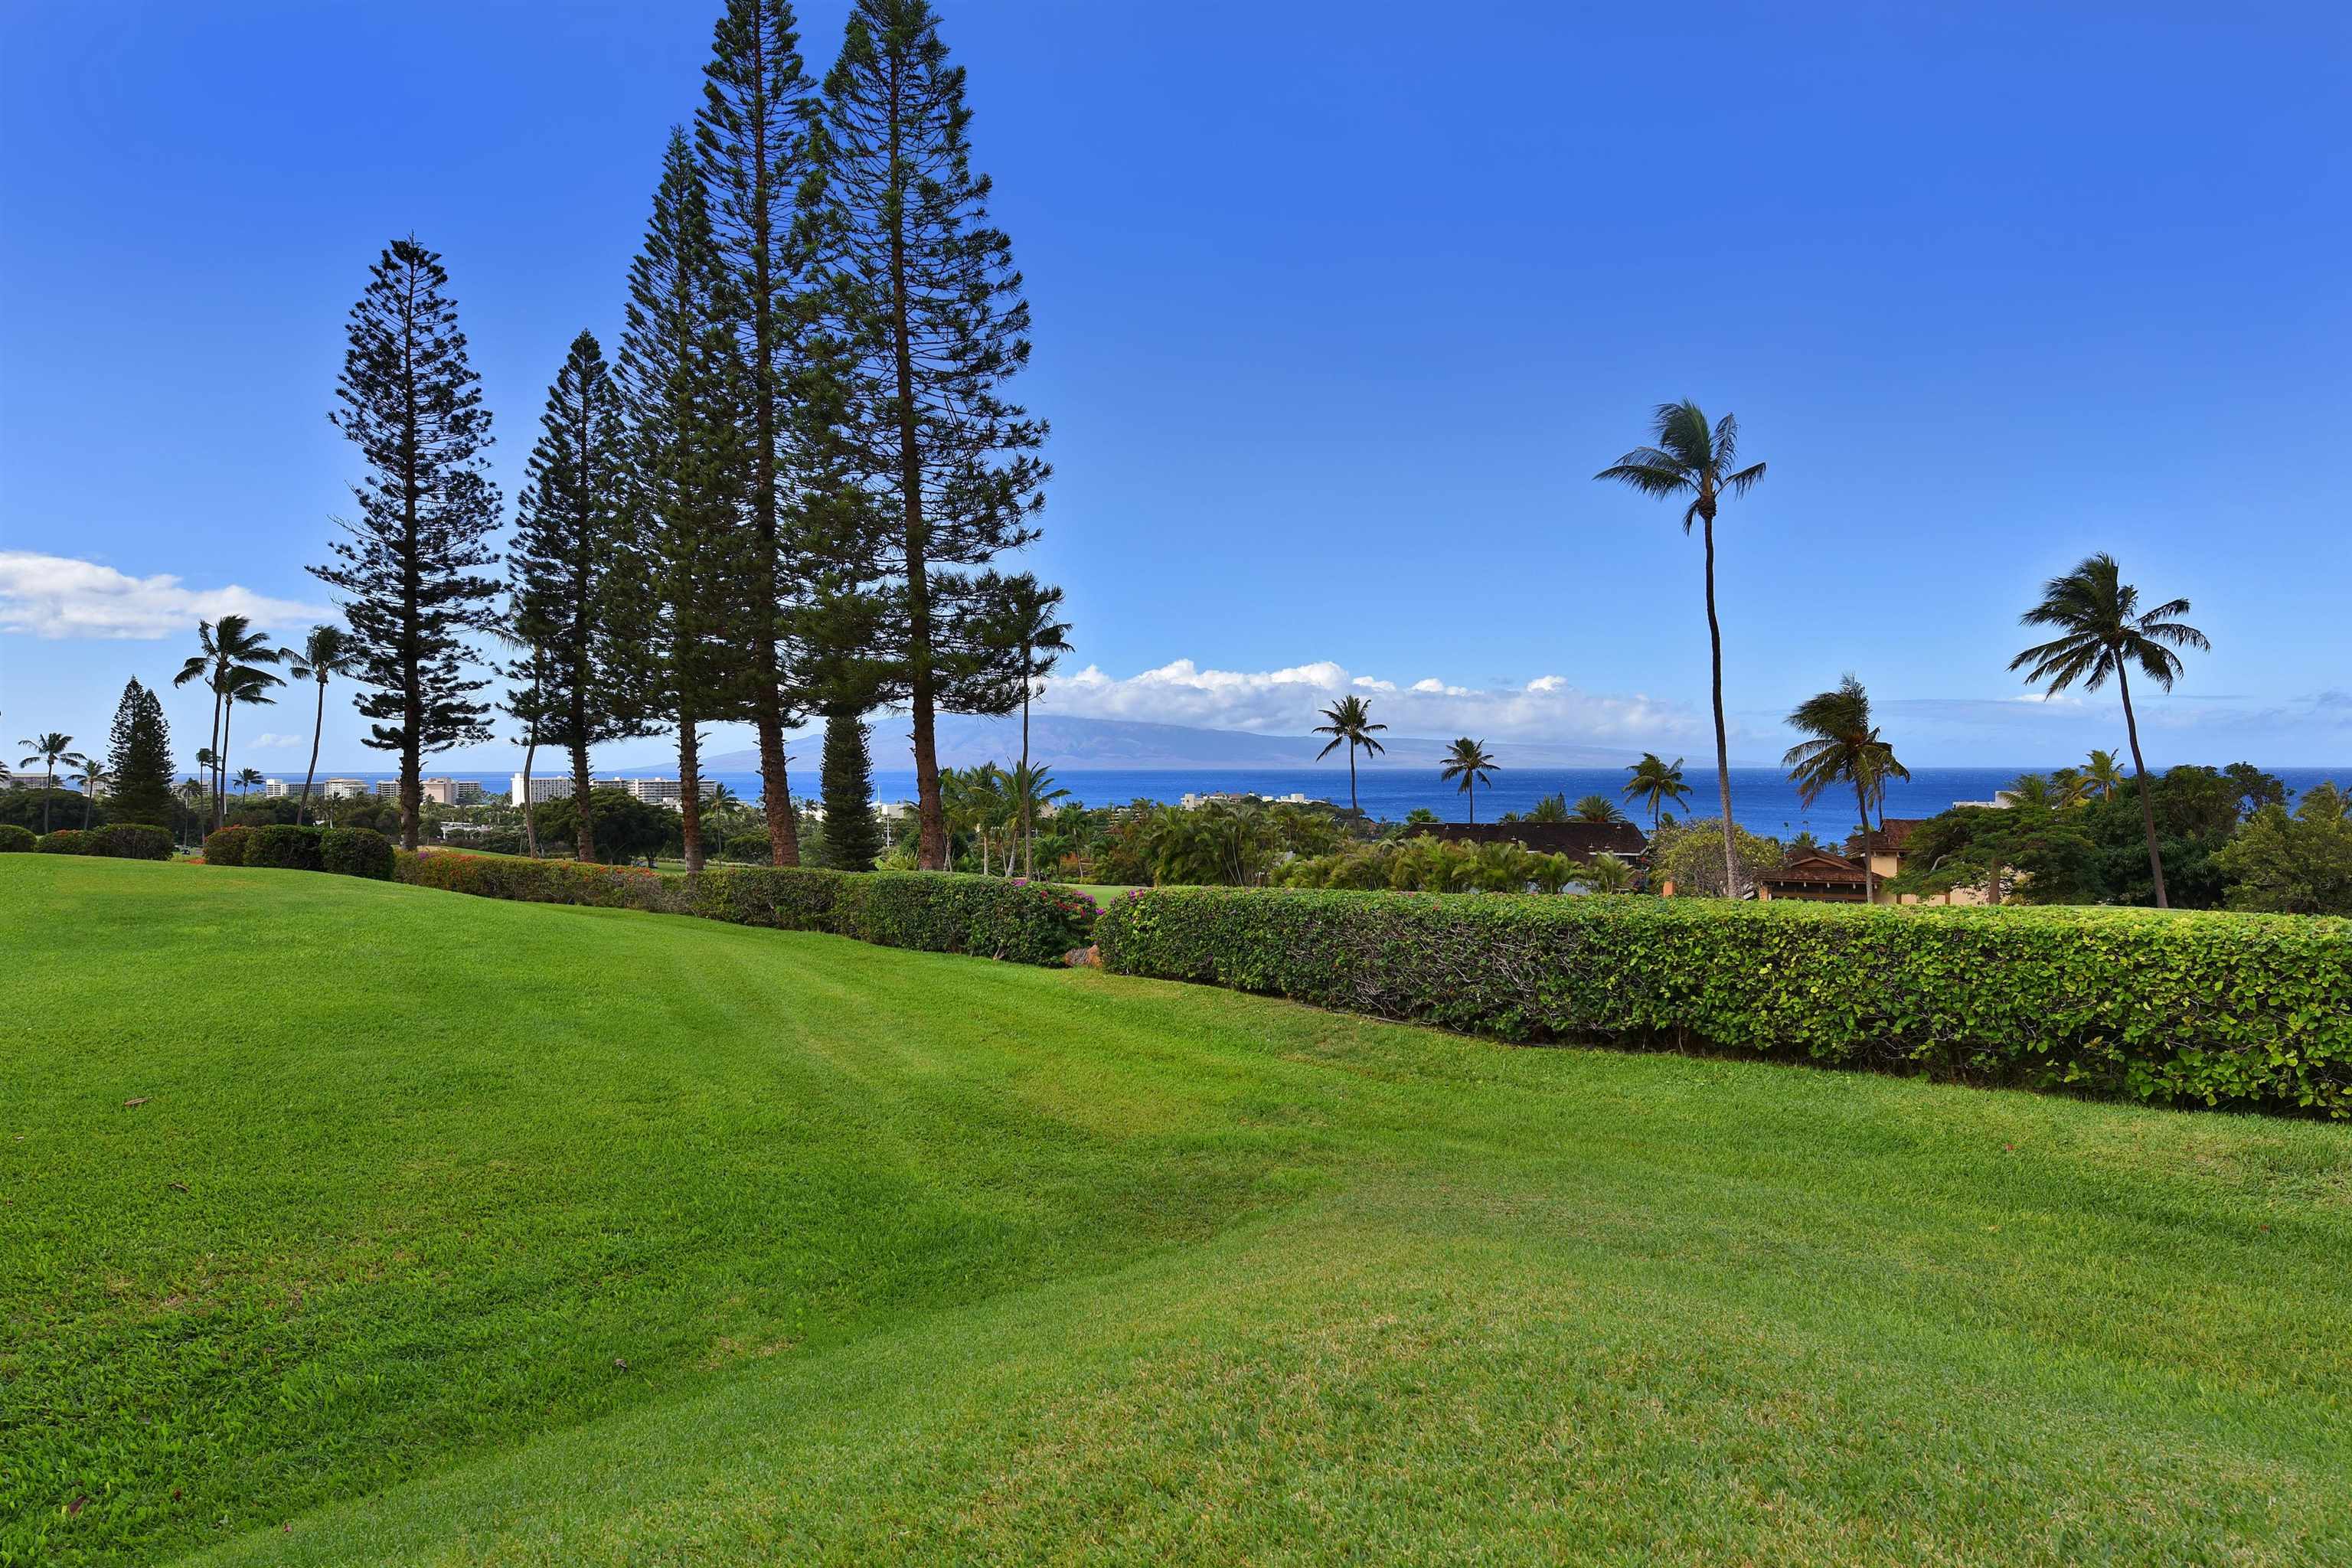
x=661, y=792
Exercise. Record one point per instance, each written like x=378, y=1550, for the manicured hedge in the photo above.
x=135, y=841
x=988, y=916
x=225, y=846
x=2249, y=1010
x=283, y=846
x=355, y=852
x=15, y=840
x=124, y=841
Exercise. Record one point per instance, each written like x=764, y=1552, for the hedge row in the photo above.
x=349, y=851
x=2247, y=1010
x=986, y=917
x=15, y=840
x=123, y=841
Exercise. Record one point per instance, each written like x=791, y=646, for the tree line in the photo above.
x=780, y=501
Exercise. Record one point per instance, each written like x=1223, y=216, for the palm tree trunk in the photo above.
x=213, y=810
x=89, y=798
x=1869, y=882
x=2146, y=806
x=1722, y=745
x=1352, y=805
x=220, y=796
x=317, y=720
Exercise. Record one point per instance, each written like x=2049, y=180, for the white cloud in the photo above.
x=1286, y=702
x=58, y=597
x=268, y=742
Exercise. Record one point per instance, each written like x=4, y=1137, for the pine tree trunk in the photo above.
x=1722, y=744
x=689, y=800
x=584, y=843
x=2146, y=806
x=317, y=720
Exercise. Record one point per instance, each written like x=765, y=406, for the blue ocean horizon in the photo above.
x=1763, y=801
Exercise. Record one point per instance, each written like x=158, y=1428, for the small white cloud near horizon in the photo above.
x=271, y=742
x=1288, y=702
x=56, y=598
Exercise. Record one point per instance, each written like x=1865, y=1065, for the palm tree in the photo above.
x=231, y=653
x=249, y=686
x=93, y=773
x=1043, y=641
x=1689, y=459
x=1548, y=808
x=1845, y=747
x=1468, y=762
x=1598, y=809
x=2066, y=786
x=1605, y=873
x=1350, y=724
x=49, y=749
x=2103, y=776
x=326, y=651
x=1656, y=783
x=2103, y=632
x=1031, y=790
x=193, y=796
x=248, y=780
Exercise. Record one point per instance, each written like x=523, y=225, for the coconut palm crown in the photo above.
x=1349, y=724
x=1468, y=760
x=2102, y=633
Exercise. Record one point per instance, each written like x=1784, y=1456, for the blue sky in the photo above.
x=1338, y=309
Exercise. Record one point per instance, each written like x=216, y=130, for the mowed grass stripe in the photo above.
x=915, y=1258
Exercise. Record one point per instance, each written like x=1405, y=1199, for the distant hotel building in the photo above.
x=343, y=789
x=440, y=791
x=545, y=788
x=1194, y=802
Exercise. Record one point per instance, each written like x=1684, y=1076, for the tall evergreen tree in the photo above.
x=682, y=382
x=751, y=145
x=139, y=760
x=852, y=837
x=409, y=571
x=928, y=297
x=580, y=589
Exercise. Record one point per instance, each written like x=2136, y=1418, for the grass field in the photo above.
x=447, y=1231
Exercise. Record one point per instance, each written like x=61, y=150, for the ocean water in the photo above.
x=1762, y=799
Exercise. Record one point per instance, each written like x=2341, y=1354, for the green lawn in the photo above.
x=450, y=1231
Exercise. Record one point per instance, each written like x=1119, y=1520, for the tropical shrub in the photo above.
x=355, y=852
x=66, y=841
x=225, y=846
x=2215, y=1009
x=285, y=848
x=15, y=840
x=133, y=841
x=989, y=917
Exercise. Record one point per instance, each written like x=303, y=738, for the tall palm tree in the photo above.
x=2103, y=632
x=1031, y=790
x=1845, y=748
x=1043, y=640
x=49, y=748
x=1598, y=809
x=2103, y=775
x=1656, y=782
x=326, y=651
x=192, y=794
x=246, y=781
x=1688, y=457
x=93, y=773
x=1349, y=724
x=1468, y=762
x=230, y=662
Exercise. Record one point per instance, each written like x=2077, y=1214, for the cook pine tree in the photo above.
x=579, y=583
x=752, y=148
x=928, y=304
x=682, y=384
x=139, y=760
x=409, y=572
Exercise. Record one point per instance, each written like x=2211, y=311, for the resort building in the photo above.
x=1821, y=877
x=660, y=792
x=343, y=789
x=275, y=789
x=544, y=787
x=1194, y=802
x=440, y=791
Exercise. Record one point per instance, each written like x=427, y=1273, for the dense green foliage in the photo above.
x=2298, y=863
x=1422, y=863
x=852, y=838
x=627, y=828
x=986, y=917
x=2209, y=1009
x=283, y=846
x=139, y=760
x=135, y=841
x=15, y=840
x=66, y=841
x=590, y=1238
x=225, y=846
x=355, y=852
